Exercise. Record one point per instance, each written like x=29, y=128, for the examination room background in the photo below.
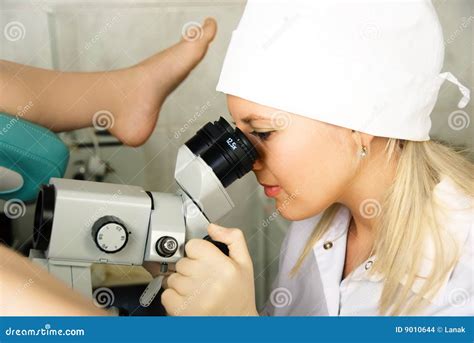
x=107, y=34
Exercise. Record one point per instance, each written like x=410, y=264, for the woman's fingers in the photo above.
x=187, y=267
x=172, y=301
x=164, y=283
x=183, y=285
x=235, y=241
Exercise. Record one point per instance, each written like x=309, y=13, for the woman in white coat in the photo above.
x=337, y=97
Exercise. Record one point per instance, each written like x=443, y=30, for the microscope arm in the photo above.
x=75, y=275
x=196, y=225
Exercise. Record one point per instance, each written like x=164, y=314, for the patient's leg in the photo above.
x=26, y=289
x=132, y=96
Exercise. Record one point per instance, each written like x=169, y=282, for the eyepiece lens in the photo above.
x=226, y=150
x=208, y=135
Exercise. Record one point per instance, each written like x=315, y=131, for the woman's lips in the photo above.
x=271, y=191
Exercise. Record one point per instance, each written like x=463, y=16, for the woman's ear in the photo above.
x=362, y=139
x=366, y=139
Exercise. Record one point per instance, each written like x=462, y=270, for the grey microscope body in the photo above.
x=78, y=223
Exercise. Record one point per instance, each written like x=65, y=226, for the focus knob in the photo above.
x=110, y=234
x=166, y=246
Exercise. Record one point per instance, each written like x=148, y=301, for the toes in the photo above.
x=209, y=29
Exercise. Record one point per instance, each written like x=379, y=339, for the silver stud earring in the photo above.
x=363, y=151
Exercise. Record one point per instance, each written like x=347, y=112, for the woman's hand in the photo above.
x=209, y=283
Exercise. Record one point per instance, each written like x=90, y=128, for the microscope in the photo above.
x=78, y=223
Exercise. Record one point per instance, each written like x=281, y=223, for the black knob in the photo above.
x=166, y=246
x=222, y=246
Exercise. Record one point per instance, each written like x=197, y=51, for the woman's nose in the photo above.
x=257, y=165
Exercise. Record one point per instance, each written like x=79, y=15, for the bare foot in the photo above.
x=146, y=85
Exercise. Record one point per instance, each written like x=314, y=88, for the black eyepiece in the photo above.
x=208, y=135
x=226, y=150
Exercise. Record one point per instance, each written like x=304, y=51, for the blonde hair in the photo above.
x=409, y=215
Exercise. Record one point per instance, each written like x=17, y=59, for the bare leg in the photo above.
x=28, y=290
x=134, y=96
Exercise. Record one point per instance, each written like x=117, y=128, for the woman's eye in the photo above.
x=261, y=135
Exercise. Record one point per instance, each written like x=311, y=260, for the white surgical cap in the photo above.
x=370, y=65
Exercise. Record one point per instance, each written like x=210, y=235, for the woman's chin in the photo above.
x=294, y=213
x=290, y=214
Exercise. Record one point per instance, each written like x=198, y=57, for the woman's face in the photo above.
x=311, y=163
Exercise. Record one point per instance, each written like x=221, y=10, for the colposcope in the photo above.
x=78, y=223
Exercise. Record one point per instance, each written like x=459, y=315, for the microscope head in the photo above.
x=82, y=221
x=210, y=161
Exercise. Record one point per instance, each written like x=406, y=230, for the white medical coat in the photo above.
x=317, y=289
